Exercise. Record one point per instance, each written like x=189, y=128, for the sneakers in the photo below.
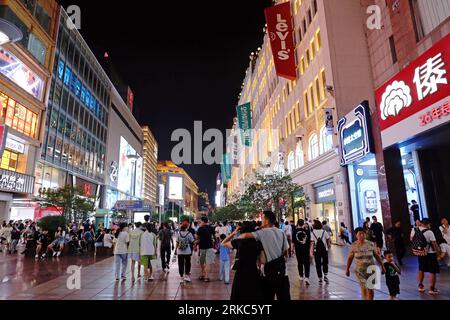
x=151, y=278
x=421, y=288
x=36, y=256
x=433, y=291
x=307, y=281
x=320, y=281
x=187, y=278
x=54, y=253
x=58, y=253
x=326, y=279
x=300, y=278
x=182, y=279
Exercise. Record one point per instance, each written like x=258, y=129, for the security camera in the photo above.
x=330, y=88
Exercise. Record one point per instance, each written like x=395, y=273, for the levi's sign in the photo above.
x=423, y=83
x=279, y=24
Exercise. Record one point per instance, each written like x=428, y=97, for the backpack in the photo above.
x=320, y=245
x=183, y=244
x=301, y=236
x=419, y=243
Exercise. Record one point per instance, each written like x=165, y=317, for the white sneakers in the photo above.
x=187, y=278
x=58, y=254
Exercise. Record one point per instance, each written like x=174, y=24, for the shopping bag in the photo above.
x=156, y=265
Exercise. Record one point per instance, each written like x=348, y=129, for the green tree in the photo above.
x=271, y=192
x=73, y=202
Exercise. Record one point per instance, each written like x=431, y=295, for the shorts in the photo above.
x=429, y=263
x=393, y=285
x=58, y=242
x=146, y=260
x=134, y=256
x=207, y=256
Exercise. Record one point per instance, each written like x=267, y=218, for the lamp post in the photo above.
x=173, y=204
x=133, y=158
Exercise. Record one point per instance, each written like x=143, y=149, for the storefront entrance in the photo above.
x=325, y=206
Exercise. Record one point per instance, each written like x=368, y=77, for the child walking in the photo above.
x=392, y=272
x=224, y=254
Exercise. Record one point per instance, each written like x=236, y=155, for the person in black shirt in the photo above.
x=42, y=243
x=377, y=230
x=392, y=272
x=416, y=210
x=396, y=235
x=302, y=242
x=166, y=237
x=205, y=241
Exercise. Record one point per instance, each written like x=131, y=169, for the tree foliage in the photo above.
x=73, y=202
x=51, y=223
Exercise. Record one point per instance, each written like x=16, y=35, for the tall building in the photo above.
x=150, y=154
x=25, y=77
x=177, y=189
x=76, y=126
x=411, y=53
x=295, y=121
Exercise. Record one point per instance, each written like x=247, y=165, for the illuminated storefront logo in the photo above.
x=16, y=182
x=113, y=171
x=15, y=70
x=419, y=92
x=354, y=134
x=326, y=193
x=15, y=145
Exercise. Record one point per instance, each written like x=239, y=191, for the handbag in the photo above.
x=156, y=264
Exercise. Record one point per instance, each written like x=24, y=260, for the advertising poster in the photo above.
x=175, y=188
x=244, y=114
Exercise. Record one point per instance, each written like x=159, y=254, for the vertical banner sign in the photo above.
x=244, y=114
x=329, y=123
x=279, y=24
x=3, y=135
x=226, y=168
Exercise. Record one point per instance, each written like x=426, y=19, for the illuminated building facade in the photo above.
x=150, y=154
x=25, y=77
x=180, y=190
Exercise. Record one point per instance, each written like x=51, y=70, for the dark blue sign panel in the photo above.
x=355, y=140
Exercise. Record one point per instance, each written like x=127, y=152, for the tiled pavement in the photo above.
x=24, y=279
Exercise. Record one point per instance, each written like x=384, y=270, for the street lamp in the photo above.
x=173, y=203
x=9, y=32
x=133, y=158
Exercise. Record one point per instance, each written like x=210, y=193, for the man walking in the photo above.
x=275, y=245
x=425, y=247
x=205, y=239
x=165, y=235
x=396, y=235
x=377, y=230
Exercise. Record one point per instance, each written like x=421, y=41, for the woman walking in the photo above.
x=320, y=242
x=364, y=252
x=121, y=240
x=246, y=283
x=184, y=252
x=344, y=235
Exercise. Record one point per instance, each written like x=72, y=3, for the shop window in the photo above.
x=60, y=69
x=326, y=141
x=299, y=156
x=10, y=160
x=313, y=147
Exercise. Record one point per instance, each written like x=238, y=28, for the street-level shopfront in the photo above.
x=414, y=116
x=324, y=207
x=356, y=152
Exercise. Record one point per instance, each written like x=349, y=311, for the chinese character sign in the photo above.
x=244, y=114
x=421, y=84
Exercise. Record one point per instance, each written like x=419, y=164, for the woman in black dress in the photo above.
x=246, y=282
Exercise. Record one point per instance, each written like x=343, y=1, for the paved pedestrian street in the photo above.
x=26, y=279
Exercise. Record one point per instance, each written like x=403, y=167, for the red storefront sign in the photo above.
x=279, y=24
x=40, y=212
x=421, y=84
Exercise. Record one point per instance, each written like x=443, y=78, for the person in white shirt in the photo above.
x=122, y=238
x=320, y=242
x=148, y=252
x=225, y=229
x=429, y=262
x=288, y=233
x=445, y=246
x=108, y=239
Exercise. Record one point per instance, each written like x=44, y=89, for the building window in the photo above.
x=10, y=161
x=291, y=162
x=18, y=117
x=326, y=140
x=305, y=102
x=302, y=65
x=60, y=69
x=312, y=49
x=318, y=41
x=393, y=51
x=311, y=99
x=317, y=90
x=428, y=14
x=309, y=16
x=297, y=112
x=37, y=48
x=315, y=8
x=299, y=156
x=323, y=80
x=304, y=27
x=313, y=147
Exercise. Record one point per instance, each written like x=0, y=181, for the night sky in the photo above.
x=184, y=60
